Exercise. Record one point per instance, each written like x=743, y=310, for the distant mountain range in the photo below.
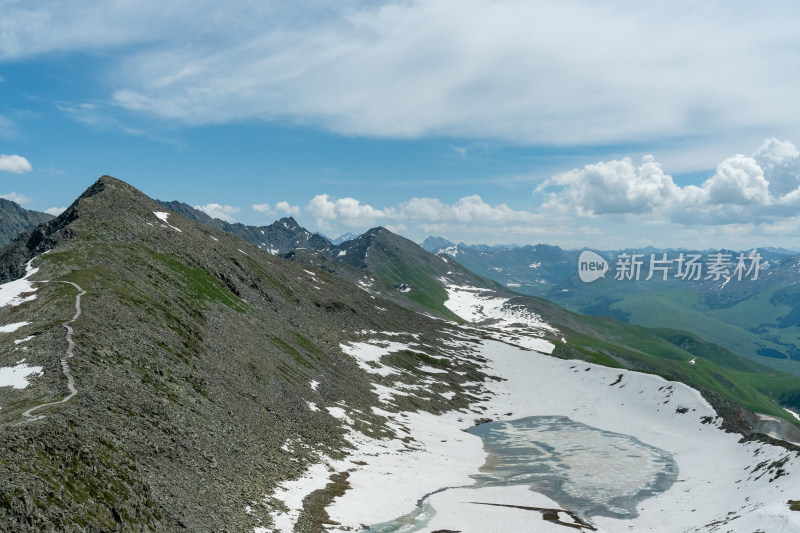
x=342, y=238
x=280, y=237
x=759, y=319
x=14, y=219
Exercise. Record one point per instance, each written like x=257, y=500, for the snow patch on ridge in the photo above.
x=163, y=216
x=11, y=293
x=485, y=308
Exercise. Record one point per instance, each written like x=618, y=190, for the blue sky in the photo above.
x=604, y=124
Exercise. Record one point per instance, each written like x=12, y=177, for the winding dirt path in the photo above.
x=64, y=360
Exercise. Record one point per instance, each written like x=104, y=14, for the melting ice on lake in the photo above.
x=588, y=471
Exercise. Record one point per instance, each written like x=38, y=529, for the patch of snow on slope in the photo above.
x=432, y=370
x=164, y=217
x=340, y=413
x=368, y=354
x=16, y=377
x=292, y=493
x=10, y=328
x=11, y=293
x=452, y=251
x=365, y=285
x=485, y=308
x=438, y=461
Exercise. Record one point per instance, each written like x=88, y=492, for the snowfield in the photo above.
x=722, y=484
x=483, y=307
x=719, y=480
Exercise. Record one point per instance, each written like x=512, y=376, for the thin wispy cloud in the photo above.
x=97, y=117
x=8, y=128
x=529, y=72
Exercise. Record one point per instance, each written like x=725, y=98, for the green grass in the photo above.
x=743, y=328
x=659, y=310
x=426, y=289
x=288, y=349
x=199, y=285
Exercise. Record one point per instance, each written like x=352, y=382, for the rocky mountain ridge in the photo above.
x=14, y=219
x=198, y=357
x=278, y=238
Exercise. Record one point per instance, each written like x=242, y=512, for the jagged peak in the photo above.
x=288, y=221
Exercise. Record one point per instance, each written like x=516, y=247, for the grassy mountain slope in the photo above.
x=398, y=261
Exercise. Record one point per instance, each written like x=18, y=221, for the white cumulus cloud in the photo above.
x=286, y=207
x=742, y=188
x=14, y=197
x=616, y=187
x=738, y=181
x=348, y=212
x=55, y=211
x=15, y=164
x=780, y=161
x=222, y=212
x=469, y=209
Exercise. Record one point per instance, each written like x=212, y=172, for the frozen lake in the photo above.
x=589, y=471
